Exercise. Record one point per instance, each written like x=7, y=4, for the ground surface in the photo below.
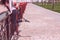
x=44, y=24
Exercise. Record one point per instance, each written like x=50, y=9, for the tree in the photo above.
x=46, y=2
x=42, y=2
x=53, y=2
x=37, y=0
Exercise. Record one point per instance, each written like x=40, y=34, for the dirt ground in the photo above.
x=42, y=24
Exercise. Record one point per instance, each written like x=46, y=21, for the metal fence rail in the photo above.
x=5, y=24
x=3, y=31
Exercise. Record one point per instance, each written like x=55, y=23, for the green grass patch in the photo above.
x=49, y=6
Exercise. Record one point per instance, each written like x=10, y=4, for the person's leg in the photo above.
x=14, y=14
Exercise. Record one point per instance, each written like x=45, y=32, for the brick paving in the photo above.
x=43, y=24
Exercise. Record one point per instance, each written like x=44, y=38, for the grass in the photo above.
x=49, y=6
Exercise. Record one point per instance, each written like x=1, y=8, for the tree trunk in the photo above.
x=42, y=2
x=53, y=2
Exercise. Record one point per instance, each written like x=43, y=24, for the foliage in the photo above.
x=49, y=6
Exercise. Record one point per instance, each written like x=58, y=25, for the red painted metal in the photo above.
x=22, y=8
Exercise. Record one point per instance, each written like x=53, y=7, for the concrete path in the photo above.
x=44, y=24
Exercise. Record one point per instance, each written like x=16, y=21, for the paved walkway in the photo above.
x=43, y=24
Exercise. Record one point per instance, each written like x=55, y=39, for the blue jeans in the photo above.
x=14, y=21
